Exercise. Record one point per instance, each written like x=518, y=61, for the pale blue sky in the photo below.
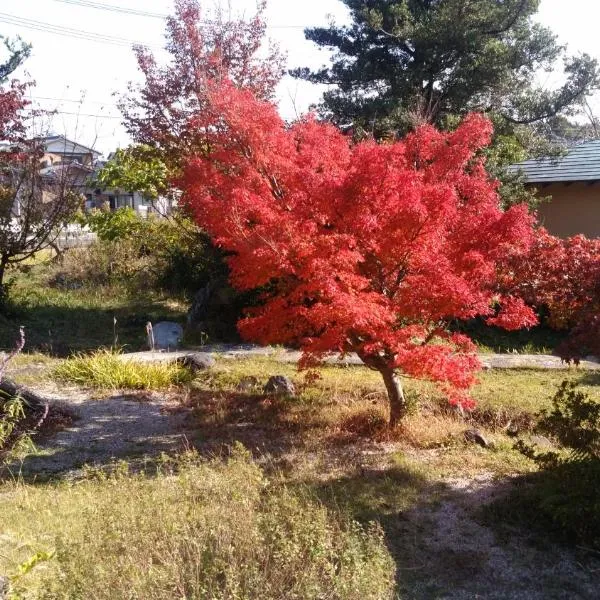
x=79, y=75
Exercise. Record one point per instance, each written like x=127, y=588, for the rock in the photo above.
x=3, y=587
x=167, y=335
x=542, y=442
x=280, y=384
x=475, y=436
x=197, y=361
x=247, y=384
x=512, y=429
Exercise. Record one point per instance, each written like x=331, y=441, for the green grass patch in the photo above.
x=59, y=321
x=104, y=369
x=216, y=530
x=535, y=340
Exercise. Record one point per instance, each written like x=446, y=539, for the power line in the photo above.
x=142, y=13
x=68, y=31
x=73, y=101
x=113, y=8
x=78, y=114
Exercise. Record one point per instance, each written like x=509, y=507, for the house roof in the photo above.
x=580, y=163
x=59, y=144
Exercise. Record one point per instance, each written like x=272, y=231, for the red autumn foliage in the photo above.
x=368, y=248
x=203, y=48
x=562, y=277
x=12, y=103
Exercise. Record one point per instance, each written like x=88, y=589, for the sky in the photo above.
x=78, y=74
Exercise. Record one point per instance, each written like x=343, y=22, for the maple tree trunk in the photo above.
x=393, y=385
x=3, y=265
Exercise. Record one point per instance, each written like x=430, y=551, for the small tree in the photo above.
x=33, y=204
x=203, y=47
x=135, y=169
x=367, y=248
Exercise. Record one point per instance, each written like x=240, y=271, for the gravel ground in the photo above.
x=106, y=428
x=456, y=557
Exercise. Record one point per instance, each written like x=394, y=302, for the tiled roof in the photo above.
x=581, y=163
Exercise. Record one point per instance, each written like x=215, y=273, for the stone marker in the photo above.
x=542, y=442
x=167, y=335
x=280, y=384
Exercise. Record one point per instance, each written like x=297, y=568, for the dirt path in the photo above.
x=239, y=351
x=456, y=557
x=106, y=428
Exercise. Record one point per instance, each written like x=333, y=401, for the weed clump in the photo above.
x=200, y=530
x=104, y=369
x=365, y=423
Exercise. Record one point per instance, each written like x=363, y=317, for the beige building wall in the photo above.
x=574, y=209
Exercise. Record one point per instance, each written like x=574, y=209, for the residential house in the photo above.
x=83, y=162
x=573, y=183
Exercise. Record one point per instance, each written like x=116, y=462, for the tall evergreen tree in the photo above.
x=405, y=62
x=17, y=51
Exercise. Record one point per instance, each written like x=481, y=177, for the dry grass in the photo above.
x=345, y=409
x=216, y=530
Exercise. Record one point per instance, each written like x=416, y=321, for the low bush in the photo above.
x=171, y=254
x=567, y=491
x=216, y=530
x=103, y=263
x=106, y=370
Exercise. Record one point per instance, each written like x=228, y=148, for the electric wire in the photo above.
x=68, y=31
x=143, y=13
x=113, y=8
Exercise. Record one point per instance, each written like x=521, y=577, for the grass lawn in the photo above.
x=61, y=321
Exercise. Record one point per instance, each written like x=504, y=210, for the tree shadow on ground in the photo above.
x=272, y=425
x=442, y=547
x=590, y=378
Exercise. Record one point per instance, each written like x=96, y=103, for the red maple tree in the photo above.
x=562, y=278
x=12, y=102
x=367, y=248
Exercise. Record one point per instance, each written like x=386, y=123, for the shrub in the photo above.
x=164, y=254
x=102, y=264
x=561, y=278
x=169, y=254
x=104, y=369
x=215, y=530
x=568, y=489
